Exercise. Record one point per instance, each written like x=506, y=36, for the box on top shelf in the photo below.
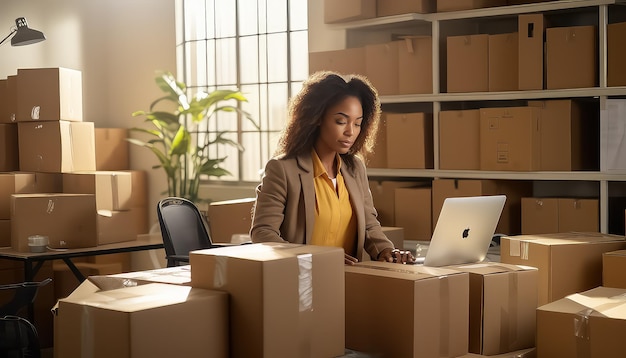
x=409, y=141
x=616, y=54
x=415, y=63
x=571, y=57
x=459, y=139
x=112, y=148
x=381, y=66
x=398, y=7
x=56, y=147
x=348, y=10
x=503, y=62
x=346, y=61
x=49, y=94
x=428, y=305
x=467, y=63
x=531, y=29
x=9, y=149
x=458, y=5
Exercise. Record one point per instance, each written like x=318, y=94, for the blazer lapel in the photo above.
x=305, y=163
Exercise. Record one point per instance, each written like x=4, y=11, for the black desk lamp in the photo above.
x=23, y=34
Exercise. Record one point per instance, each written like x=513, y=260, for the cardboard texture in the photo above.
x=230, y=217
x=458, y=5
x=586, y=324
x=613, y=268
x=178, y=275
x=112, y=149
x=49, y=94
x=56, y=147
x=433, y=303
x=503, y=300
x=567, y=262
x=116, y=226
x=459, y=140
x=111, y=188
x=9, y=149
x=383, y=194
x=540, y=215
x=398, y=7
x=571, y=57
x=616, y=54
x=4, y=101
x=347, y=61
x=613, y=136
x=14, y=183
x=468, y=52
x=348, y=10
x=381, y=66
x=531, y=28
x=413, y=212
x=415, y=61
x=409, y=141
x=553, y=215
x=522, y=353
x=11, y=100
x=153, y=320
x=5, y=233
x=276, y=288
x=503, y=62
x=69, y=220
x=378, y=159
x=510, y=139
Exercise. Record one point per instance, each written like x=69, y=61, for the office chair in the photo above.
x=183, y=230
x=18, y=336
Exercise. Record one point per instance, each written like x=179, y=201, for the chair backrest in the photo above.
x=182, y=226
x=23, y=294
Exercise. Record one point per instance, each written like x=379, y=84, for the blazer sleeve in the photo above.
x=271, y=199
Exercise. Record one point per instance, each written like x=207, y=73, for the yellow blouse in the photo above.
x=335, y=224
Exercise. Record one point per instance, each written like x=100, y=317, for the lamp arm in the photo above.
x=9, y=35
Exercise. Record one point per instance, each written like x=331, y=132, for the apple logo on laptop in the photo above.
x=466, y=233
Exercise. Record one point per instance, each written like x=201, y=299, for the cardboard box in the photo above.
x=112, y=188
x=459, y=140
x=510, y=219
x=613, y=268
x=409, y=141
x=346, y=61
x=415, y=63
x=585, y=324
x=510, y=139
x=56, y=147
x=5, y=233
x=13, y=183
x=153, y=320
x=458, y=5
x=616, y=54
x=531, y=29
x=348, y=10
x=112, y=151
x=116, y=226
x=567, y=262
x=431, y=306
x=503, y=62
x=502, y=304
x=540, y=215
x=276, y=288
x=413, y=212
x=230, y=217
x=571, y=57
x=467, y=63
x=398, y=7
x=49, y=94
x=11, y=114
x=381, y=66
x=395, y=234
x=582, y=215
x=9, y=158
x=139, y=190
x=378, y=159
x=177, y=275
x=383, y=194
x=4, y=101
x=65, y=282
x=552, y=215
x=69, y=220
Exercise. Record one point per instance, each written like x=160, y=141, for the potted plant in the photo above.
x=184, y=158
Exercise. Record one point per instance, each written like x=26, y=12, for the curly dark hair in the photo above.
x=319, y=92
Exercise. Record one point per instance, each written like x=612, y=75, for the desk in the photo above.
x=34, y=260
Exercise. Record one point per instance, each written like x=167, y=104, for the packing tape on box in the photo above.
x=581, y=332
x=305, y=298
x=219, y=276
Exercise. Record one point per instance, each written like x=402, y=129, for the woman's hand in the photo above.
x=349, y=260
x=396, y=255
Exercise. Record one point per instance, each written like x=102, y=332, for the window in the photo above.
x=257, y=46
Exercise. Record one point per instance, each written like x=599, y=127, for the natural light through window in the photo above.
x=257, y=46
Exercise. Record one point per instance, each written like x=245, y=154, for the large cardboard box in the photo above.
x=540, y=215
x=415, y=63
x=409, y=141
x=116, y=226
x=65, y=281
x=613, y=268
x=586, y=324
x=112, y=149
x=467, y=63
x=276, y=288
x=552, y=215
x=230, y=217
x=112, y=188
x=9, y=149
x=152, y=320
x=381, y=66
x=413, y=212
x=68, y=220
x=56, y=147
x=383, y=194
x=577, y=214
x=531, y=29
x=616, y=54
x=459, y=139
x=429, y=308
x=49, y=94
x=139, y=191
x=346, y=61
x=348, y=10
x=502, y=304
x=567, y=262
x=398, y=7
x=503, y=62
x=457, y=5
x=178, y=275
x=571, y=57
x=510, y=139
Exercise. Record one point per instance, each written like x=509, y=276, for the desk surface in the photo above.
x=127, y=246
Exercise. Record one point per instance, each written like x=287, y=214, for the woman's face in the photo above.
x=340, y=126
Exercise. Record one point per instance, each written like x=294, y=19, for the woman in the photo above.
x=316, y=190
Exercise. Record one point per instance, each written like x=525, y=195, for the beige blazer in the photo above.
x=285, y=205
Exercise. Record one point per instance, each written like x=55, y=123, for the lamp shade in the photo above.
x=25, y=35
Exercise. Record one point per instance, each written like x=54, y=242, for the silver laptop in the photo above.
x=464, y=230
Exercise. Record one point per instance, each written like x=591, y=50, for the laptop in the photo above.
x=464, y=230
